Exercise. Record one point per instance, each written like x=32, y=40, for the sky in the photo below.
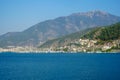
x=18, y=15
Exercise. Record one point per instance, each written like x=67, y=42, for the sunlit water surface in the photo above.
x=59, y=66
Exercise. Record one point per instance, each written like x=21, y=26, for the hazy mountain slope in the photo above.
x=58, y=27
x=65, y=39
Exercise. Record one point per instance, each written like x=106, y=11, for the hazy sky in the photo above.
x=18, y=15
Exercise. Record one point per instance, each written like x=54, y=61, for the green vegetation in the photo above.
x=110, y=33
x=65, y=49
x=91, y=34
x=106, y=33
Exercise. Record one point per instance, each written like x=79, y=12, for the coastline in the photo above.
x=56, y=52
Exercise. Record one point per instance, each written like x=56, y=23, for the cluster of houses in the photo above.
x=87, y=45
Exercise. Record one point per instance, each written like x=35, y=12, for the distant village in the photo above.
x=86, y=45
x=81, y=45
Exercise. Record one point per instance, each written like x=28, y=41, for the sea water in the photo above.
x=14, y=66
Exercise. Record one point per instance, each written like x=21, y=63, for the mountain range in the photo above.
x=61, y=26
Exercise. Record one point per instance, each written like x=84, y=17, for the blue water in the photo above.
x=59, y=66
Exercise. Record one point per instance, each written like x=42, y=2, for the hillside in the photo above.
x=88, y=39
x=111, y=32
x=65, y=39
x=51, y=29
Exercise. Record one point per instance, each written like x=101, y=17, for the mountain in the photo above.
x=107, y=37
x=51, y=29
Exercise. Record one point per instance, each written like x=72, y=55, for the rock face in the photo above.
x=58, y=27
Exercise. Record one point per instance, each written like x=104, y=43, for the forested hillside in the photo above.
x=111, y=32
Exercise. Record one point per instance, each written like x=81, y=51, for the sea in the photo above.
x=59, y=66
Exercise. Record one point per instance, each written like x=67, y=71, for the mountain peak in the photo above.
x=92, y=13
x=98, y=11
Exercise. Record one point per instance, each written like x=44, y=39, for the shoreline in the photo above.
x=56, y=52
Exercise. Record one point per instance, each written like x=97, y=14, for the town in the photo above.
x=80, y=45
